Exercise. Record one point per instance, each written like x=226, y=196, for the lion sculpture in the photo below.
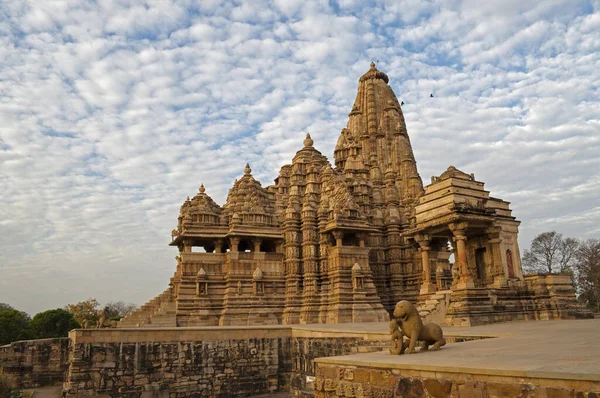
x=412, y=327
x=105, y=323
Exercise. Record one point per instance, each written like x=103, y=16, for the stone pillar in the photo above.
x=339, y=236
x=424, y=248
x=256, y=242
x=309, y=312
x=498, y=268
x=233, y=243
x=292, y=251
x=187, y=246
x=218, y=246
x=361, y=239
x=460, y=237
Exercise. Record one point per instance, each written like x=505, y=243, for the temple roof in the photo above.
x=453, y=172
x=247, y=196
x=201, y=204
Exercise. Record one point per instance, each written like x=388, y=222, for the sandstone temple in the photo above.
x=344, y=242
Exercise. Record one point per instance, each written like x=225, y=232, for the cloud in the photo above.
x=113, y=112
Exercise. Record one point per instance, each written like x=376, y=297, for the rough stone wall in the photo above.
x=305, y=350
x=35, y=363
x=351, y=381
x=219, y=368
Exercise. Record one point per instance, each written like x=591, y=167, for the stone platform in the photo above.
x=518, y=359
x=523, y=359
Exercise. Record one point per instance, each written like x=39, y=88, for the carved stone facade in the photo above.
x=337, y=244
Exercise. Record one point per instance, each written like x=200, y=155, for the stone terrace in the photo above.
x=537, y=359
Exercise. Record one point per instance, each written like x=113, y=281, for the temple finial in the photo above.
x=372, y=65
x=308, y=142
x=247, y=169
x=202, y=189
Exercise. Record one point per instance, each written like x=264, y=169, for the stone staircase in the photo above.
x=434, y=308
x=158, y=312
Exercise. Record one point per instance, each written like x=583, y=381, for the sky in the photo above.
x=113, y=112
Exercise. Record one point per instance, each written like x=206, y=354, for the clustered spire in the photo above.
x=314, y=212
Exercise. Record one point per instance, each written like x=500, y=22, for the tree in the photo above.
x=118, y=309
x=550, y=253
x=52, y=323
x=85, y=310
x=14, y=326
x=4, y=307
x=587, y=267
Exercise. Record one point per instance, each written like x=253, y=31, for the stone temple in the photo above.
x=344, y=242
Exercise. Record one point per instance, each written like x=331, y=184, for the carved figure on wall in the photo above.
x=455, y=275
x=397, y=337
x=85, y=324
x=439, y=276
x=412, y=326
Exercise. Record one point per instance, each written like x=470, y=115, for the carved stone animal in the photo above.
x=412, y=326
x=85, y=324
x=104, y=323
x=397, y=338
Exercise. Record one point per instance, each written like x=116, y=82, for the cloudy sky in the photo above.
x=112, y=112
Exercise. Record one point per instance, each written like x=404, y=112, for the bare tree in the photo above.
x=587, y=267
x=118, y=309
x=550, y=253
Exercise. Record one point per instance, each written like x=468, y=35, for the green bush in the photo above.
x=52, y=324
x=14, y=326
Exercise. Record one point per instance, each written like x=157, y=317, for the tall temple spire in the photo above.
x=376, y=127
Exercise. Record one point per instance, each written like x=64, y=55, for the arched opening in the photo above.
x=209, y=247
x=225, y=246
x=245, y=246
x=268, y=246
x=480, y=263
x=350, y=240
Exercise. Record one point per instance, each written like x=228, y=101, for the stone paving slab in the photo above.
x=541, y=349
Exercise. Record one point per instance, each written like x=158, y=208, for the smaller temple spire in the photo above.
x=247, y=169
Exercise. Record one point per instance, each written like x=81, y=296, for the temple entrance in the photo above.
x=480, y=263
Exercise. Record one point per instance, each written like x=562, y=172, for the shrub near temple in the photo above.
x=14, y=325
x=52, y=323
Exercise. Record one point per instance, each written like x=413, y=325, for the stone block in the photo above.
x=437, y=388
x=361, y=375
x=409, y=387
x=501, y=390
x=348, y=374
x=554, y=392
x=473, y=390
